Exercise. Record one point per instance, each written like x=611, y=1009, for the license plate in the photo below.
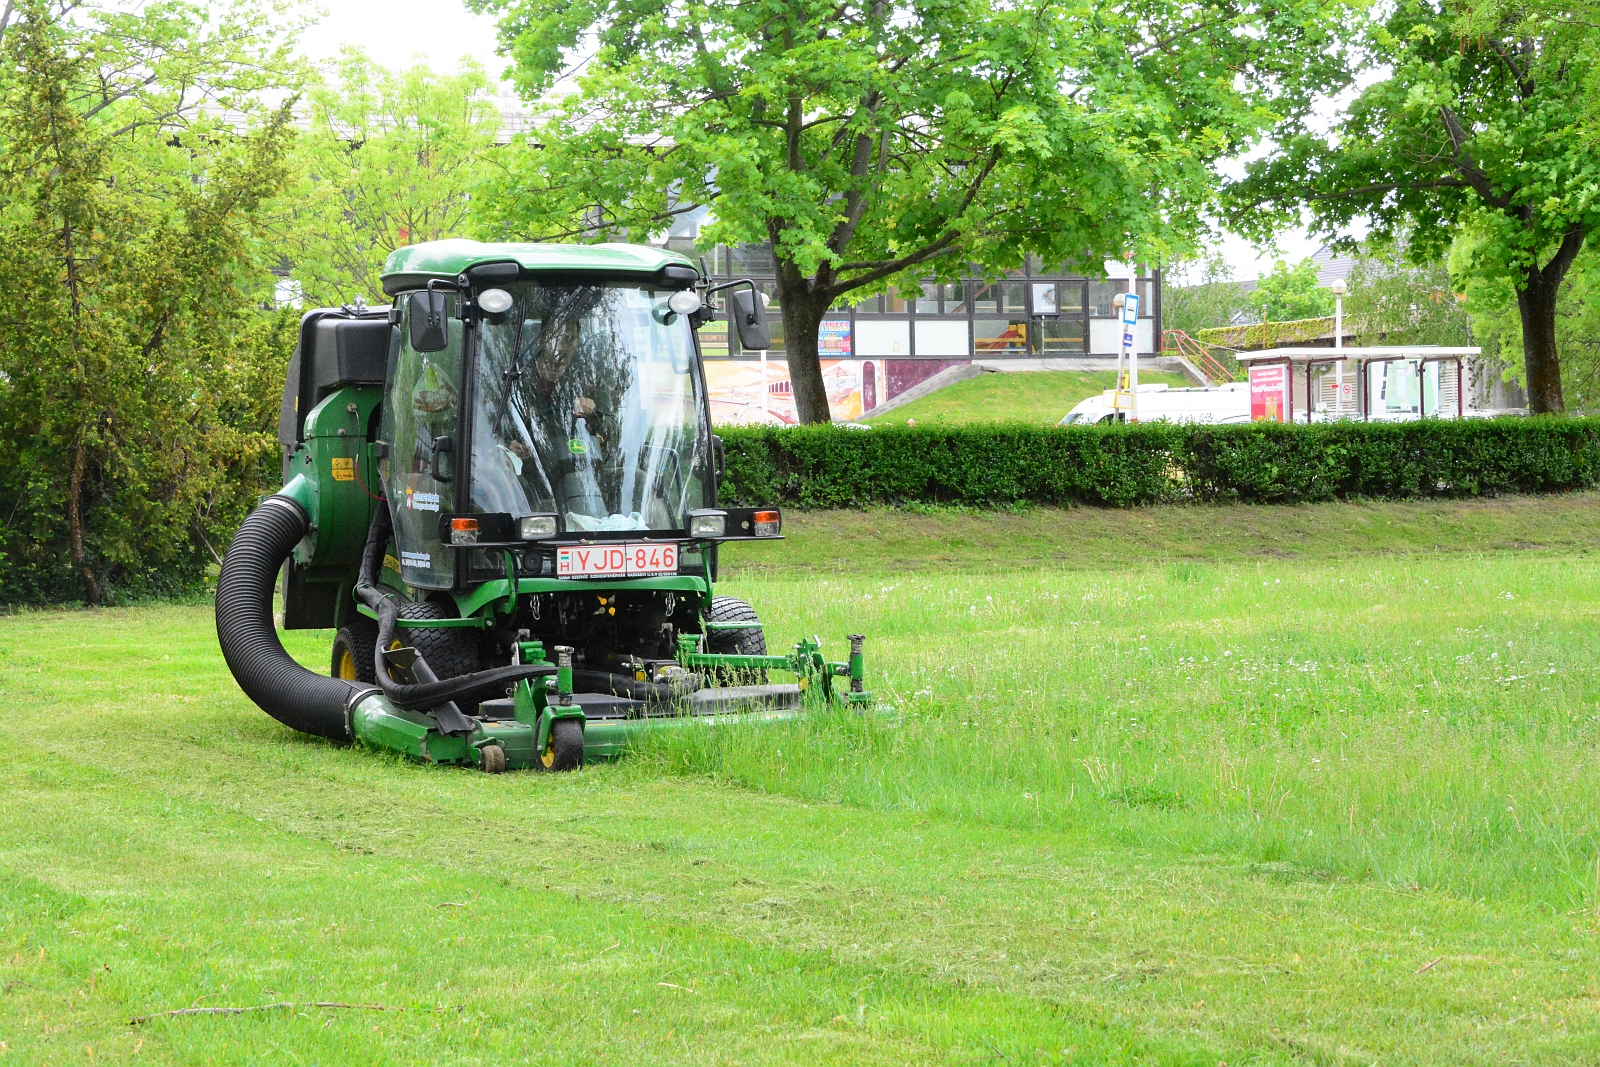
x=626, y=560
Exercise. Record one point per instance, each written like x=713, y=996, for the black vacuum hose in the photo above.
x=421, y=696
x=296, y=697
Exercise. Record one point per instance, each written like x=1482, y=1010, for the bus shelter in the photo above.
x=1387, y=382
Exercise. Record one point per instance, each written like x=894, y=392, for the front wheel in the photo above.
x=736, y=641
x=353, y=651
x=563, y=750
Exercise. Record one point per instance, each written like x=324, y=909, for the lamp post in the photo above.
x=1339, y=289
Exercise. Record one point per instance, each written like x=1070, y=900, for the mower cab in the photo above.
x=508, y=487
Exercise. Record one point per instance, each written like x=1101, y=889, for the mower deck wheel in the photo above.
x=564, y=750
x=494, y=759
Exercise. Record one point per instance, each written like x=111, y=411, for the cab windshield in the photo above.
x=586, y=406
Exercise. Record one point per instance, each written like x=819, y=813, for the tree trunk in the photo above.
x=1536, y=302
x=802, y=316
x=80, y=557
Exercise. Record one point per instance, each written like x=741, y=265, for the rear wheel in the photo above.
x=353, y=649
x=750, y=641
x=563, y=750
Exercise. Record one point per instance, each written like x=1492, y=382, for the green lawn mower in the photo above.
x=501, y=494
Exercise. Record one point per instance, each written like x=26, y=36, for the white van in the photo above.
x=1217, y=404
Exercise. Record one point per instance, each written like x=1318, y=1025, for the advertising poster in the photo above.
x=1269, y=393
x=833, y=338
x=736, y=388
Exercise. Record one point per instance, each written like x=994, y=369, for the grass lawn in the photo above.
x=1149, y=793
x=1020, y=396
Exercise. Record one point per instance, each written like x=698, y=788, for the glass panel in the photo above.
x=895, y=304
x=587, y=407
x=752, y=259
x=1014, y=296
x=1100, y=295
x=714, y=340
x=928, y=302
x=999, y=336
x=1060, y=336
x=774, y=317
x=870, y=306
x=423, y=405
x=950, y=292
x=1069, y=295
x=985, y=296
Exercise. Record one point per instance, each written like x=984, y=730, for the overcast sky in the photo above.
x=397, y=33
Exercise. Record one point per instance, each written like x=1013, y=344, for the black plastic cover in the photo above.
x=337, y=348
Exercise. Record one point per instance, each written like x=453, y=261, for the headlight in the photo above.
x=494, y=301
x=766, y=523
x=707, y=524
x=684, y=301
x=536, y=527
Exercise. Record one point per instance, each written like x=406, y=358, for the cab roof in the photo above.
x=413, y=266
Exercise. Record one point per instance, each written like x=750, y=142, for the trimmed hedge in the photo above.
x=1123, y=466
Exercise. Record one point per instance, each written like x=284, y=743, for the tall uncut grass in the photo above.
x=1422, y=723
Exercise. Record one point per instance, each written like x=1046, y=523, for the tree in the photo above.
x=1288, y=294
x=1200, y=294
x=127, y=197
x=1475, y=127
x=1497, y=326
x=1398, y=303
x=872, y=143
x=389, y=159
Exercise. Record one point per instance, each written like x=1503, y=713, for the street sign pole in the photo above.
x=1130, y=319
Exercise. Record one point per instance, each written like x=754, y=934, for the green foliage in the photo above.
x=1474, y=127
x=128, y=209
x=389, y=159
x=872, y=144
x=1394, y=303
x=1287, y=294
x=1497, y=326
x=1200, y=295
x=820, y=467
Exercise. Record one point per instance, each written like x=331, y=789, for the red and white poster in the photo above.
x=1269, y=393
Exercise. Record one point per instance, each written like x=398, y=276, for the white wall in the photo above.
x=1105, y=336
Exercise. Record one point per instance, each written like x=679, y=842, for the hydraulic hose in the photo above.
x=623, y=686
x=421, y=696
x=296, y=697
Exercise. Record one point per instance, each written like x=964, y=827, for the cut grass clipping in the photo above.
x=1141, y=807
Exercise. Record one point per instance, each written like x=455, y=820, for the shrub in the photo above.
x=1123, y=466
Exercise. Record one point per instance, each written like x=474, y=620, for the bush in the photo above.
x=1123, y=466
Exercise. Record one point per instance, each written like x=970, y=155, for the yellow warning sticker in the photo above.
x=344, y=468
x=391, y=563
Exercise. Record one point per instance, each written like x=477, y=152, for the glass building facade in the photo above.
x=1032, y=313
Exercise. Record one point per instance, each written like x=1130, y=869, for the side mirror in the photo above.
x=749, y=316
x=430, y=330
